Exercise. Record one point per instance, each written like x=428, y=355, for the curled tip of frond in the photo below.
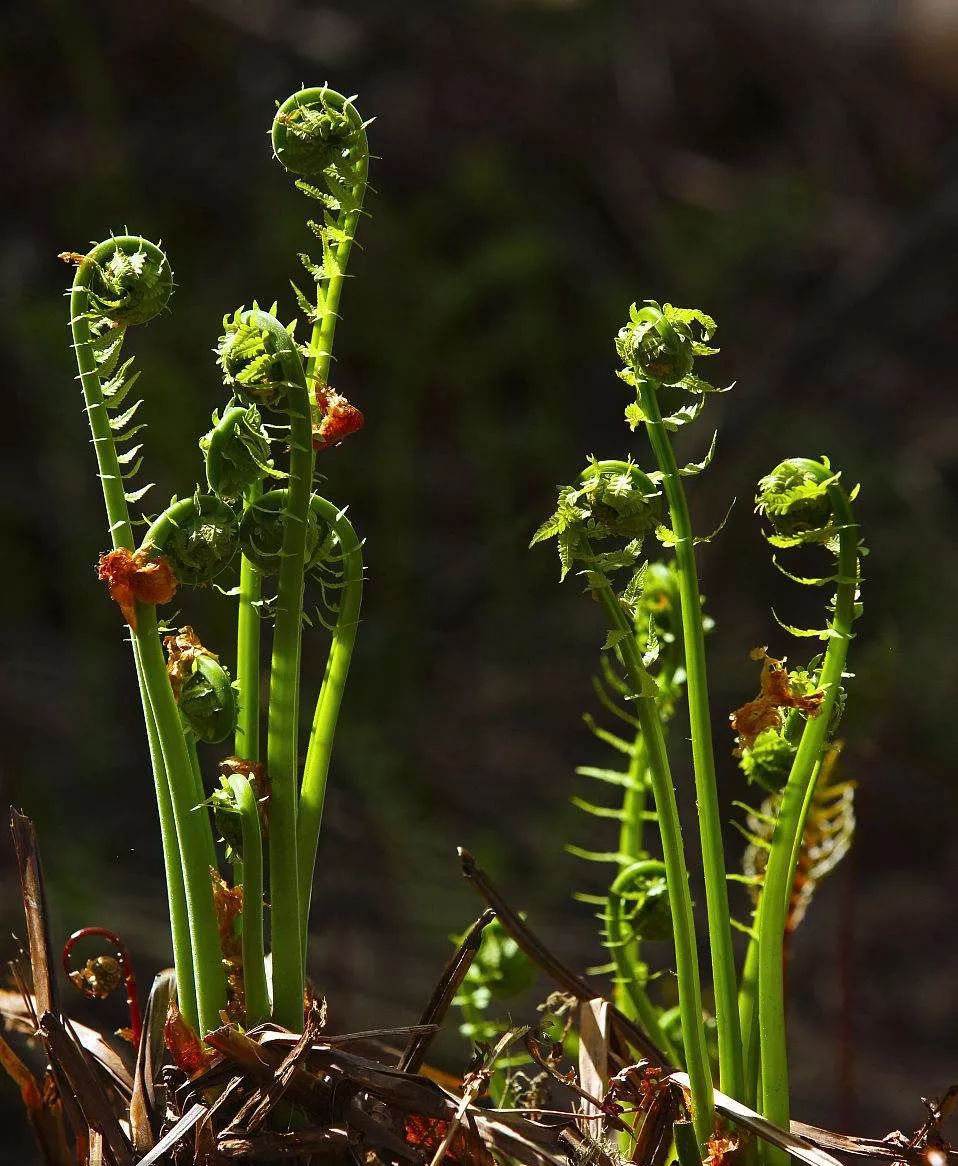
x=202, y=687
x=643, y=892
x=263, y=528
x=128, y=279
x=660, y=343
x=616, y=503
x=198, y=536
x=237, y=452
x=248, y=355
x=316, y=129
x=794, y=498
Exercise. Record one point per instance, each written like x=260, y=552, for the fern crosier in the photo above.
x=804, y=502
x=319, y=136
x=199, y=537
x=236, y=452
x=250, y=362
x=124, y=281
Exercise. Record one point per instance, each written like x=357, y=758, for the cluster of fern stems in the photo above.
x=655, y=650
x=256, y=531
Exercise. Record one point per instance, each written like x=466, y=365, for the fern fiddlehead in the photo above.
x=803, y=502
x=319, y=136
x=599, y=526
x=659, y=347
x=125, y=281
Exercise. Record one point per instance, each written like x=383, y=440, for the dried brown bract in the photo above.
x=136, y=576
x=776, y=692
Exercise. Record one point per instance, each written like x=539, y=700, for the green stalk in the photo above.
x=199, y=801
x=631, y=850
x=706, y=790
x=326, y=714
x=677, y=878
x=642, y=1008
x=176, y=892
x=748, y=1015
x=633, y=806
x=193, y=830
x=283, y=720
x=327, y=306
x=254, y=959
x=246, y=742
x=790, y=828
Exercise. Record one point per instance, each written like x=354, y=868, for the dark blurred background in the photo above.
x=790, y=168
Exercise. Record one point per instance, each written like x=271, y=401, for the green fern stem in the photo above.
x=247, y=743
x=748, y=1015
x=631, y=833
x=642, y=1007
x=254, y=959
x=193, y=831
x=789, y=828
x=176, y=891
x=201, y=986
x=326, y=714
x=327, y=306
x=706, y=789
x=199, y=803
x=283, y=718
x=632, y=829
x=677, y=878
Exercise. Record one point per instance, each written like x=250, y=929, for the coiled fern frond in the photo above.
x=319, y=136
x=124, y=281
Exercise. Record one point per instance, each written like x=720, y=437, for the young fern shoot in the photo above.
x=236, y=524
x=659, y=346
x=600, y=525
x=804, y=502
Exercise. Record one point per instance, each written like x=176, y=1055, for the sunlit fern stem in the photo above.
x=677, y=878
x=326, y=714
x=748, y=984
x=199, y=802
x=192, y=824
x=255, y=985
x=173, y=775
x=703, y=760
x=642, y=1007
x=327, y=306
x=247, y=743
x=631, y=850
x=176, y=892
x=632, y=829
x=789, y=828
x=283, y=719
x=748, y=1016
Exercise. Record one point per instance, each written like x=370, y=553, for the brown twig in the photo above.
x=449, y=983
